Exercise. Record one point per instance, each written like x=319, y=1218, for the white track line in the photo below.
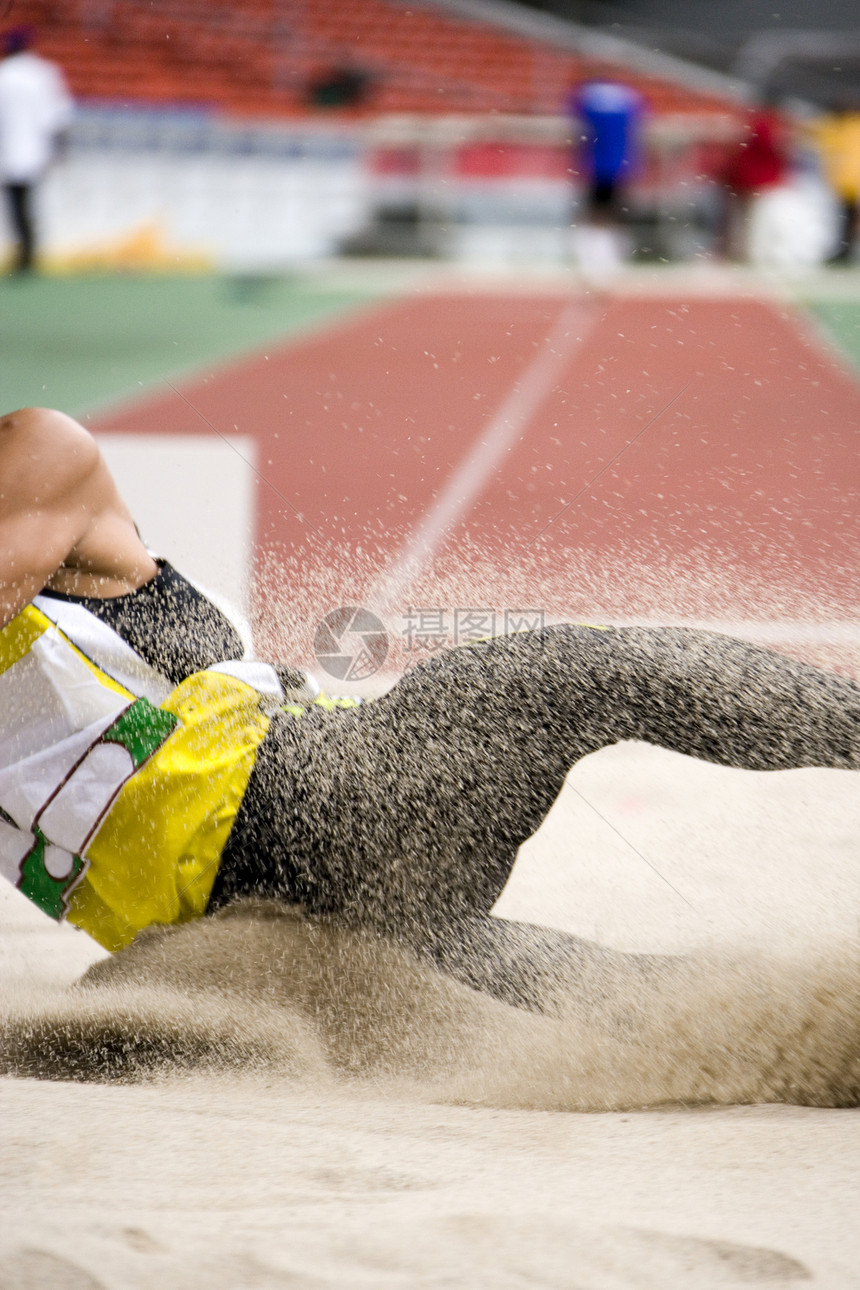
x=494, y=441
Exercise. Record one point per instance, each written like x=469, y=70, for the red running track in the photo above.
x=688, y=458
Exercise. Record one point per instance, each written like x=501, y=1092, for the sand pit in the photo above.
x=355, y=1121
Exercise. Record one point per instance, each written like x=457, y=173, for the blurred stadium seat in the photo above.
x=258, y=57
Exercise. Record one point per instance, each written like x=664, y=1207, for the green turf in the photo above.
x=79, y=343
x=840, y=320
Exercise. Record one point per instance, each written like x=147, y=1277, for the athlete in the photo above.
x=149, y=774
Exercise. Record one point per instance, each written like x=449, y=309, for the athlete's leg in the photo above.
x=19, y=202
x=411, y=809
x=529, y=966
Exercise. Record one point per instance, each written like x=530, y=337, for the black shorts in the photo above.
x=603, y=196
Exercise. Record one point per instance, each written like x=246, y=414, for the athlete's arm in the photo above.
x=62, y=522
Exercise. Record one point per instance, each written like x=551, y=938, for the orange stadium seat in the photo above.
x=254, y=58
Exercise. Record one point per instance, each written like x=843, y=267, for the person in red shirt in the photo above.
x=760, y=162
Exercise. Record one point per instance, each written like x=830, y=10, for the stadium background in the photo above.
x=299, y=320
x=362, y=125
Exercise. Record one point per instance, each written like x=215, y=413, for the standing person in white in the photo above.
x=35, y=112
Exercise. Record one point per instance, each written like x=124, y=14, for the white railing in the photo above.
x=186, y=188
x=150, y=188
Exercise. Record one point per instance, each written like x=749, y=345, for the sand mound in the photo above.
x=262, y=988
